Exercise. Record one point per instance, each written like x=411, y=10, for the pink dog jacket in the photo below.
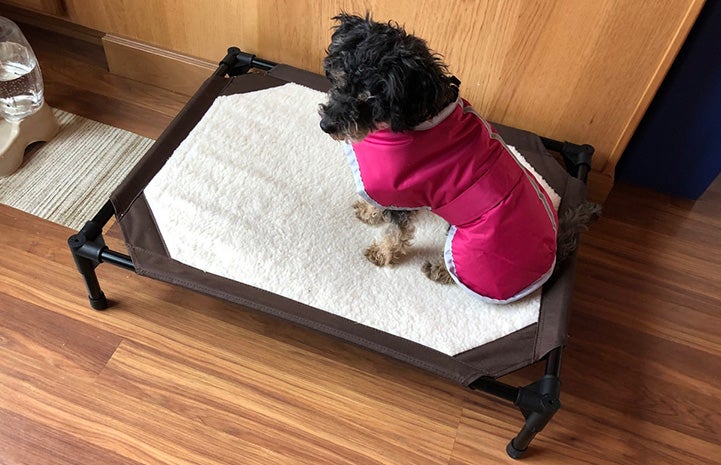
x=502, y=242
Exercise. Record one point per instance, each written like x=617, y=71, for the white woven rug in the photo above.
x=68, y=179
x=259, y=194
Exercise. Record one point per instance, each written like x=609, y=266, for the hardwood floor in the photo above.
x=171, y=377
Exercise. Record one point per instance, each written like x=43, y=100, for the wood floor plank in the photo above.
x=306, y=415
x=676, y=268
x=27, y=442
x=61, y=344
x=628, y=377
x=114, y=421
x=149, y=123
x=673, y=313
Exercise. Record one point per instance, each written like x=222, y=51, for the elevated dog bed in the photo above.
x=244, y=198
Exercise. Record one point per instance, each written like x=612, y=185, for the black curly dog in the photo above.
x=382, y=77
x=381, y=74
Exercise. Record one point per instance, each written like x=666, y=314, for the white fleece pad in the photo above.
x=259, y=194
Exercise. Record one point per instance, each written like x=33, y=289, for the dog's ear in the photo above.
x=395, y=96
x=411, y=90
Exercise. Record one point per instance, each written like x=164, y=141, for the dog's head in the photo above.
x=381, y=77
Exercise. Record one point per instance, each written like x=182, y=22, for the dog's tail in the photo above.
x=571, y=223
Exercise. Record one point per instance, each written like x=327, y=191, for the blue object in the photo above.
x=677, y=147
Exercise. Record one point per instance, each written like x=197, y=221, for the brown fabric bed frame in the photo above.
x=476, y=369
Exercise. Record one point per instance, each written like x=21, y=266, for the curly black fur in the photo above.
x=381, y=75
x=571, y=223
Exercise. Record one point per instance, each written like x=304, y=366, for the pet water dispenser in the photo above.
x=24, y=117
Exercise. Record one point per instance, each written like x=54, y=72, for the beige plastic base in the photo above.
x=15, y=137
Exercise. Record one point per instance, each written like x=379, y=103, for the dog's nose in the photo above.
x=326, y=126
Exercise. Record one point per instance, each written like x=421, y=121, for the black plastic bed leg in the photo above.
x=89, y=250
x=577, y=159
x=538, y=403
x=81, y=247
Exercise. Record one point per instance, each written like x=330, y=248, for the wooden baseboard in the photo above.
x=156, y=66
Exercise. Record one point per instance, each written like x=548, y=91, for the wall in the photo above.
x=579, y=70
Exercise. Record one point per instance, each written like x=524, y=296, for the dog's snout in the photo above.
x=327, y=126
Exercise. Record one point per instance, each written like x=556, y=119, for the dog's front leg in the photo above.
x=397, y=239
x=370, y=214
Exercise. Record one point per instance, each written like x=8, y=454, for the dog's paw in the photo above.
x=368, y=214
x=437, y=272
x=381, y=254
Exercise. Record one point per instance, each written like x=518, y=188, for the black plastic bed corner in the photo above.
x=237, y=62
x=576, y=158
x=89, y=250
